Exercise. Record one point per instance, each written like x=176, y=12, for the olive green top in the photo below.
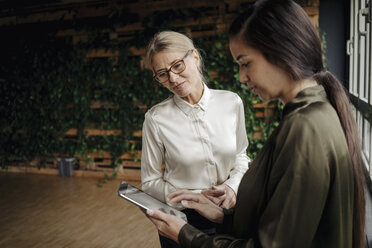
x=298, y=192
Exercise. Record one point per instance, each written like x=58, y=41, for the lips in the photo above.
x=251, y=87
x=178, y=86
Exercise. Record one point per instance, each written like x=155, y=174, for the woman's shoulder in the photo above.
x=313, y=112
x=225, y=94
x=161, y=107
x=320, y=117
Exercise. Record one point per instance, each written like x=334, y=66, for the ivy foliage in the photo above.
x=48, y=86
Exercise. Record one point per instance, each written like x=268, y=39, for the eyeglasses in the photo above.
x=178, y=67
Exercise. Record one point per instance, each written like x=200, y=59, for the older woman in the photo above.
x=198, y=133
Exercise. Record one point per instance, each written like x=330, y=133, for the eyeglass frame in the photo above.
x=170, y=68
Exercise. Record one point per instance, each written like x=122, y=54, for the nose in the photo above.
x=243, y=77
x=172, y=76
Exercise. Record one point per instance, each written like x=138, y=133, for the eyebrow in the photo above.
x=162, y=69
x=239, y=57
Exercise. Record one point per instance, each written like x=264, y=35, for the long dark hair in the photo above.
x=284, y=34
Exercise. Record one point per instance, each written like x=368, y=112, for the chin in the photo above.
x=264, y=98
x=181, y=94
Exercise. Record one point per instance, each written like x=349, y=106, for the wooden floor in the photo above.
x=53, y=211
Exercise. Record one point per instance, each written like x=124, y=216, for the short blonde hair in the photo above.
x=173, y=42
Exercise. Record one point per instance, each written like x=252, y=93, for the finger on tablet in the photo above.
x=178, y=192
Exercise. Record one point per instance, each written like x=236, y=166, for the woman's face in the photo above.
x=266, y=80
x=186, y=84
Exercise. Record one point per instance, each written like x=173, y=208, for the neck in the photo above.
x=297, y=87
x=195, y=96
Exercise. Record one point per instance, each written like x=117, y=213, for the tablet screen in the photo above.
x=145, y=201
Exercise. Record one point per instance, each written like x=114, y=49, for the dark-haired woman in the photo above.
x=305, y=187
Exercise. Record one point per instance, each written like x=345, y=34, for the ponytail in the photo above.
x=339, y=99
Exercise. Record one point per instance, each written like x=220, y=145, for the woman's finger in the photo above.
x=214, y=192
x=167, y=225
x=155, y=221
x=223, y=197
x=207, y=209
x=156, y=214
x=187, y=196
x=227, y=204
x=192, y=205
x=178, y=192
x=215, y=200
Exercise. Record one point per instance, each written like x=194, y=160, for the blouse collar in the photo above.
x=305, y=97
x=187, y=107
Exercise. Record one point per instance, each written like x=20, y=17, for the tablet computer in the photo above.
x=145, y=201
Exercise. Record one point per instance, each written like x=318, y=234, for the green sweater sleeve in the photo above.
x=298, y=186
x=228, y=218
x=191, y=237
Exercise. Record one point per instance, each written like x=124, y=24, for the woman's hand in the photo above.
x=221, y=195
x=200, y=203
x=167, y=225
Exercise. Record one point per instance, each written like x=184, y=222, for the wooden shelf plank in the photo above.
x=93, y=132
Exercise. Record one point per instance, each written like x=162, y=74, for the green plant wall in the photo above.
x=48, y=86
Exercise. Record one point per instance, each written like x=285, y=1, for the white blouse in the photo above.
x=201, y=145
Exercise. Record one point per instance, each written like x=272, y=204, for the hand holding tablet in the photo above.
x=145, y=201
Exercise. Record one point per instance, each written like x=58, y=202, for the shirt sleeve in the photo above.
x=227, y=226
x=152, y=159
x=297, y=193
x=299, y=185
x=241, y=159
x=190, y=237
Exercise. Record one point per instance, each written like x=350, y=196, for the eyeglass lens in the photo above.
x=176, y=68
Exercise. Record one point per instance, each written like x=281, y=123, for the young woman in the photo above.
x=198, y=133
x=305, y=187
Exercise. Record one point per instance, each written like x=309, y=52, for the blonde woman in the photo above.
x=198, y=133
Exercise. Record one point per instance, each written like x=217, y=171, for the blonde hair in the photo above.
x=171, y=41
